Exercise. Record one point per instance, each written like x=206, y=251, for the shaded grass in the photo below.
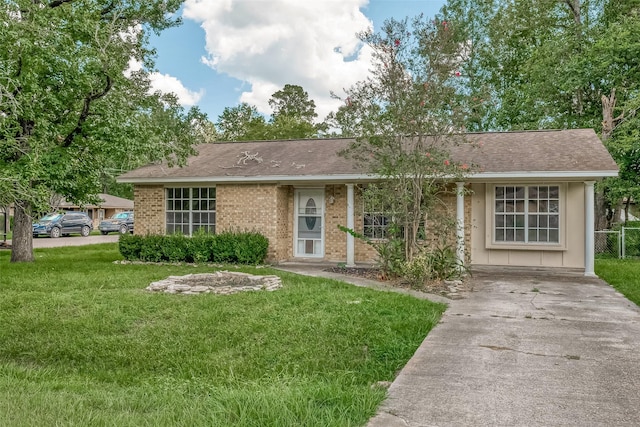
x=83, y=344
x=622, y=274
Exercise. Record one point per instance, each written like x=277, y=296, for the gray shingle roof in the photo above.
x=579, y=152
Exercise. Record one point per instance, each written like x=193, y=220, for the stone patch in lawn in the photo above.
x=220, y=282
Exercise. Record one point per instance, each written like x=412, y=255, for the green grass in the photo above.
x=82, y=343
x=623, y=275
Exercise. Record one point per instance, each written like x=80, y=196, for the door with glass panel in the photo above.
x=309, y=223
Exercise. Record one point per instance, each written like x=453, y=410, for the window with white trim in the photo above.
x=189, y=210
x=527, y=214
x=375, y=220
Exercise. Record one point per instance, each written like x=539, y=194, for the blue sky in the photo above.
x=232, y=51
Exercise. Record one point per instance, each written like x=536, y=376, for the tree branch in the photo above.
x=56, y=3
x=84, y=114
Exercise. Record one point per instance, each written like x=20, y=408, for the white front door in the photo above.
x=309, y=223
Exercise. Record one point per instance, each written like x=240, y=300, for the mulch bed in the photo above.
x=373, y=273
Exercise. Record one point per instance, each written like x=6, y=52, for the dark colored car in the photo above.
x=63, y=224
x=122, y=222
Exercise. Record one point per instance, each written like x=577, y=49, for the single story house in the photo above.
x=108, y=206
x=531, y=198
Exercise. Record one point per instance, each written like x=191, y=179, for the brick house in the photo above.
x=531, y=198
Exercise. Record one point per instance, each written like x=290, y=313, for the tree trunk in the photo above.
x=22, y=240
x=608, y=106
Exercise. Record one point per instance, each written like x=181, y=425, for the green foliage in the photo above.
x=224, y=247
x=439, y=263
x=200, y=247
x=130, y=246
x=406, y=118
x=72, y=111
x=229, y=247
x=151, y=248
x=293, y=118
x=175, y=248
x=251, y=248
x=242, y=123
x=77, y=325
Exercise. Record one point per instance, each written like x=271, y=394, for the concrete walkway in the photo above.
x=524, y=349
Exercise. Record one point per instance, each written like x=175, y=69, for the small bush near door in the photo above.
x=233, y=247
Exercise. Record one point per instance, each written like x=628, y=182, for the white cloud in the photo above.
x=166, y=83
x=270, y=43
x=169, y=84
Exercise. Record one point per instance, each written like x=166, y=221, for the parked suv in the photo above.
x=122, y=222
x=63, y=224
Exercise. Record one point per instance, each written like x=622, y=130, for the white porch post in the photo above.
x=350, y=225
x=460, y=223
x=589, y=229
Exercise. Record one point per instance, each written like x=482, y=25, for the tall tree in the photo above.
x=242, y=123
x=560, y=64
x=405, y=117
x=69, y=101
x=293, y=114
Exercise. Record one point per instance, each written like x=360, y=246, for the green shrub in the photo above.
x=175, y=248
x=200, y=247
x=224, y=247
x=151, y=248
x=251, y=248
x=228, y=247
x=130, y=246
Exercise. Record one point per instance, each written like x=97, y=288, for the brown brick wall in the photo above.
x=269, y=209
x=284, y=235
x=335, y=214
x=149, y=208
x=366, y=253
x=249, y=207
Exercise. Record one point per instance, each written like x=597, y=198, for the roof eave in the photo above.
x=477, y=177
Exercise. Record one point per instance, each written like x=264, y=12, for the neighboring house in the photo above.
x=531, y=199
x=110, y=205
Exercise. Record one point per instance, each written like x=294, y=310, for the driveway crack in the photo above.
x=501, y=348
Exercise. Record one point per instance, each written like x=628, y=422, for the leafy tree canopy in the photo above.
x=71, y=105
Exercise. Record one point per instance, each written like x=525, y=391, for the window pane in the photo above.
x=553, y=236
x=553, y=221
x=509, y=235
x=533, y=235
x=500, y=235
x=500, y=220
x=520, y=235
x=533, y=192
x=499, y=206
x=519, y=192
x=543, y=235
x=499, y=192
x=544, y=221
x=554, y=192
x=544, y=192
x=554, y=206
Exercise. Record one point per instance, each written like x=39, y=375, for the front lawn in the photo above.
x=622, y=274
x=82, y=343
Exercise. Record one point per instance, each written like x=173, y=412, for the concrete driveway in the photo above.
x=524, y=350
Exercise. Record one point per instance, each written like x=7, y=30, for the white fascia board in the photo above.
x=250, y=179
x=541, y=175
x=480, y=176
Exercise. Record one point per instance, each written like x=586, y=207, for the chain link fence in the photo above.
x=608, y=244
x=623, y=243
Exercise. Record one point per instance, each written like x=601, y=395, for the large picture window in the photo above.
x=527, y=214
x=190, y=210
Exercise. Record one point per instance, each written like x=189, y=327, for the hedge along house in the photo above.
x=531, y=198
